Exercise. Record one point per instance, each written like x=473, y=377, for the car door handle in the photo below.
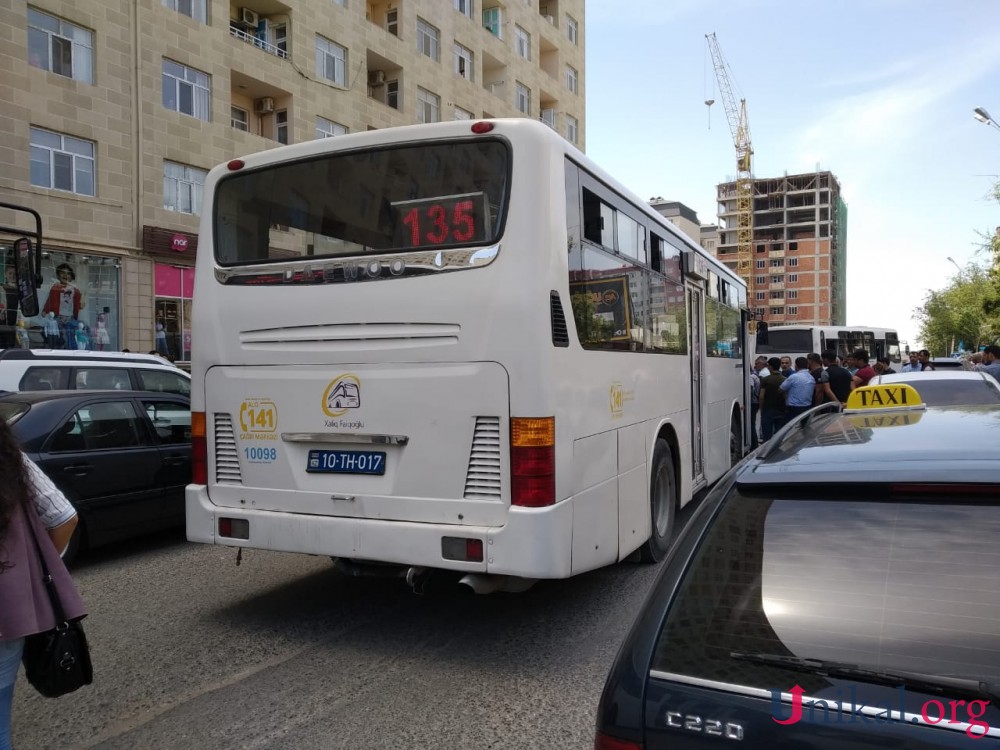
x=78, y=470
x=175, y=460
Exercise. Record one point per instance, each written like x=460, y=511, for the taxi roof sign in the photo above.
x=886, y=396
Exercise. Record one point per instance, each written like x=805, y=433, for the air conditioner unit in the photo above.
x=264, y=105
x=249, y=17
x=550, y=19
x=376, y=77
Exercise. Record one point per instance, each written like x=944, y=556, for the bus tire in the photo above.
x=662, y=504
x=735, y=443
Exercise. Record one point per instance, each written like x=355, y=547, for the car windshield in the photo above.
x=11, y=411
x=896, y=586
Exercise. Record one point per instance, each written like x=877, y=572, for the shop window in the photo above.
x=79, y=302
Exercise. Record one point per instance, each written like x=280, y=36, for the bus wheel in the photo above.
x=662, y=503
x=735, y=443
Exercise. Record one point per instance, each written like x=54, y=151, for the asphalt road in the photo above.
x=191, y=651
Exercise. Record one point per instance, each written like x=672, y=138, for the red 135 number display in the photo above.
x=440, y=221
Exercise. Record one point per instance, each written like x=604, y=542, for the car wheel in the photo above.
x=662, y=504
x=76, y=543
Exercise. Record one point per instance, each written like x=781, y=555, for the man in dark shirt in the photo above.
x=840, y=377
x=772, y=400
x=883, y=366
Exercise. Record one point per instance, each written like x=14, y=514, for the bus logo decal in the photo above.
x=617, y=399
x=342, y=393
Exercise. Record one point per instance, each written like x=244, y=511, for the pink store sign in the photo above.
x=172, y=281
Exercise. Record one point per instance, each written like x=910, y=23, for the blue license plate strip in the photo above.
x=345, y=462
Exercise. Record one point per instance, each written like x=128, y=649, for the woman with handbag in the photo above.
x=36, y=591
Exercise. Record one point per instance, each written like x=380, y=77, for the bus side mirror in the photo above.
x=27, y=279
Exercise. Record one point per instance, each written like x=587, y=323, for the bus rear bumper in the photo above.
x=534, y=542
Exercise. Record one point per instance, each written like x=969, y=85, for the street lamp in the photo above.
x=952, y=261
x=984, y=117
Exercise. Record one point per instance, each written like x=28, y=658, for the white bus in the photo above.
x=799, y=340
x=454, y=346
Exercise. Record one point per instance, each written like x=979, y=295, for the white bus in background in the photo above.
x=455, y=346
x=799, y=340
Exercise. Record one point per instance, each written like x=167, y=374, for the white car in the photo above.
x=948, y=387
x=61, y=370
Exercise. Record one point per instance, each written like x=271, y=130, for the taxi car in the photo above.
x=837, y=588
x=948, y=387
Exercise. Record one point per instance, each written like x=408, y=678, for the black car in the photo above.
x=838, y=588
x=123, y=458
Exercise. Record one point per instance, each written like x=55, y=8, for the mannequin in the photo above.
x=22, y=333
x=161, y=339
x=82, y=337
x=51, y=328
x=101, y=337
x=66, y=301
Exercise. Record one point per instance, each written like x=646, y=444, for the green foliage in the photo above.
x=958, y=313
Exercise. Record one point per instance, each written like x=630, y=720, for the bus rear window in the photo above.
x=786, y=342
x=418, y=197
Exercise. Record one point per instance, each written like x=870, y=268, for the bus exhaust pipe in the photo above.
x=487, y=584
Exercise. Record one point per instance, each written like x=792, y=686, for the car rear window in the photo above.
x=906, y=586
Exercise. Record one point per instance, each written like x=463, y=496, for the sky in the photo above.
x=879, y=92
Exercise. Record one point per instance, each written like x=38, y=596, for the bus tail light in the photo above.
x=533, y=461
x=199, y=449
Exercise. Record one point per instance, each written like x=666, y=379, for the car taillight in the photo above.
x=533, y=461
x=199, y=449
x=606, y=742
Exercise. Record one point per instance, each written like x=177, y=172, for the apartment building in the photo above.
x=681, y=216
x=114, y=111
x=799, y=247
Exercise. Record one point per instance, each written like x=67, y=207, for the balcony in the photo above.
x=385, y=14
x=383, y=80
x=268, y=47
x=262, y=24
x=549, y=11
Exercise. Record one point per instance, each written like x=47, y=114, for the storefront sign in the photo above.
x=179, y=243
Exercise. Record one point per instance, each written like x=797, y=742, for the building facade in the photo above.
x=799, y=247
x=114, y=111
x=683, y=217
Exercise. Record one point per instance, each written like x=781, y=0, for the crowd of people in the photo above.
x=780, y=391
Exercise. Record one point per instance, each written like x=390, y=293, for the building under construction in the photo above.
x=799, y=247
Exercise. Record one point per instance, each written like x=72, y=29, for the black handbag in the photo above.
x=57, y=661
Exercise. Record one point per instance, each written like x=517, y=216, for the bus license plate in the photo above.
x=346, y=462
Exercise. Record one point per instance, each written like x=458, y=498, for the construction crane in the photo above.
x=740, y=128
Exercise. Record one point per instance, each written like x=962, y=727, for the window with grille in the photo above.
x=328, y=128
x=331, y=61
x=239, y=118
x=62, y=162
x=572, y=129
x=572, y=79
x=182, y=187
x=572, y=29
x=522, y=98
x=463, y=61
x=428, y=106
x=428, y=40
x=186, y=90
x=60, y=46
x=522, y=42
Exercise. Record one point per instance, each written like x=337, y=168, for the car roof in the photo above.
x=48, y=355
x=944, y=444
x=37, y=397
x=916, y=377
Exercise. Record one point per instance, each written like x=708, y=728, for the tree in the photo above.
x=957, y=313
